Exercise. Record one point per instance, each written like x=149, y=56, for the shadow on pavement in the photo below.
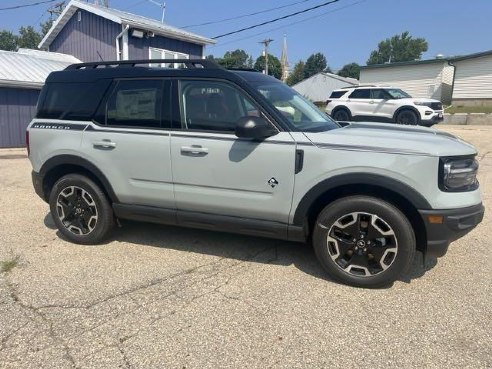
x=233, y=246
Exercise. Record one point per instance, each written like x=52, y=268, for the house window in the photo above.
x=166, y=54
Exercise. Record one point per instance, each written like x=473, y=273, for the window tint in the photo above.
x=337, y=94
x=71, y=101
x=213, y=106
x=135, y=103
x=360, y=94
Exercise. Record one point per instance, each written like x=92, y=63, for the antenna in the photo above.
x=160, y=5
x=265, y=43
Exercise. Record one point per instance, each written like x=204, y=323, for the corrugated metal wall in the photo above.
x=138, y=48
x=319, y=87
x=420, y=80
x=86, y=38
x=473, y=78
x=17, y=108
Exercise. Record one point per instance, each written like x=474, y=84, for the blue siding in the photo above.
x=17, y=108
x=138, y=48
x=86, y=38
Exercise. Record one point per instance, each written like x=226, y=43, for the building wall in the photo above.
x=420, y=80
x=17, y=108
x=473, y=78
x=88, y=38
x=319, y=87
x=138, y=48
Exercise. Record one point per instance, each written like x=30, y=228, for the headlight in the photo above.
x=458, y=174
x=421, y=103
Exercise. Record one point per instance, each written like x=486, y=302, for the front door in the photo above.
x=216, y=172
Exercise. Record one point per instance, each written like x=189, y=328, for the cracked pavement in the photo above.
x=164, y=297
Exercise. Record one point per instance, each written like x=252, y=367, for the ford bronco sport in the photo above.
x=239, y=151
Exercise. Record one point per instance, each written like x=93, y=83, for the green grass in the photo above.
x=469, y=109
x=8, y=265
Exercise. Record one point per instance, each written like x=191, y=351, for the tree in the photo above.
x=28, y=38
x=234, y=59
x=314, y=64
x=297, y=74
x=351, y=70
x=45, y=27
x=398, y=48
x=274, y=65
x=8, y=41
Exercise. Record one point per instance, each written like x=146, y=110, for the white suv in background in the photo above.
x=383, y=104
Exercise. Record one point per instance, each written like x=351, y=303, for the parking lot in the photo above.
x=164, y=297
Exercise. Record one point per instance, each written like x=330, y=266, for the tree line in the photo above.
x=27, y=37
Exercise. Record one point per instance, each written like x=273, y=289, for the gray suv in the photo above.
x=239, y=151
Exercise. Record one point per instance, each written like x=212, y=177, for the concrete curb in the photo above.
x=464, y=119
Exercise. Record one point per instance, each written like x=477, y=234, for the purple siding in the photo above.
x=17, y=108
x=138, y=48
x=86, y=38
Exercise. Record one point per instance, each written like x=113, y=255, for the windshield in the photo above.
x=302, y=114
x=396, y=93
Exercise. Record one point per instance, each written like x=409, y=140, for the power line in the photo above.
x=245, y=15
x=28, y=5
x=287, y=25
x=276, y=19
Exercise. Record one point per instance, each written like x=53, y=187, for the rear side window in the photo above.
x=71, y=101
x=135, y=103
x=337, y=94
x=362, y=93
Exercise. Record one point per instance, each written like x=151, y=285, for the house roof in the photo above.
x=350, y=81
x=430, y=61
x=29, y=68
x=123, y=18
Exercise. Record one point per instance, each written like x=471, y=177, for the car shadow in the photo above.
x=233, y=246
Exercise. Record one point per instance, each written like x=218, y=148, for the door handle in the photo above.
x=105, y=144
x=371, y=102
x=195, y=150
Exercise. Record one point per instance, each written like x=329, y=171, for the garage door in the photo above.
x=17, y=108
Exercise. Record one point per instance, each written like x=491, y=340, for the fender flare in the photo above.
x=60, y=160
x=360, y=179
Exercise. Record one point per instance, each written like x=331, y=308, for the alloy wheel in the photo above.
x=77, y=210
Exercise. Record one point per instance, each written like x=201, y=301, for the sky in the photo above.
x=345, y=31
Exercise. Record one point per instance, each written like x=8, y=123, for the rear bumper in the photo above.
x=37, y=182
x=455, y=224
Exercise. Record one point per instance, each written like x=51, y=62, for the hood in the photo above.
x=391, y=138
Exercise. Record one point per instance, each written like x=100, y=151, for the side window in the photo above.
x=362, y=93
x=135, y=103
x=379, y=94
x=213, y=106
x=337, y=94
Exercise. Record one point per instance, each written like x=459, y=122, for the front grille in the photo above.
x=436, y=106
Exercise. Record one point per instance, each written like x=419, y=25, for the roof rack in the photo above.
x=356, y=86
x=244, y=69
x=189, y=63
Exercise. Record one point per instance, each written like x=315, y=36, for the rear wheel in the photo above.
x=407, y=117
x=342, y=115
x=363, y=241
x=81, y=210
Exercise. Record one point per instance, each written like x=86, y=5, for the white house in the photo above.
x=473, y=79
x=423, y=78
x=319, y=87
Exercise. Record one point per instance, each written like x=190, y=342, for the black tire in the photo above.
x=407, y=117
x=345, y=260
x=341, y=115
x=81, y=210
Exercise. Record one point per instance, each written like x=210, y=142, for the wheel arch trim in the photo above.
x=361, y=179
x=407, y=107
x=61, y=160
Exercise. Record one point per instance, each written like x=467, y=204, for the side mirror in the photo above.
x=256, y=128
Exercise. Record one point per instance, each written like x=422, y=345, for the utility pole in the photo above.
x=265, y=43
x=56, y=9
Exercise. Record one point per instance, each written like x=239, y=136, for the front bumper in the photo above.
x=37, y=182
x=432, y=119
x=455, y=224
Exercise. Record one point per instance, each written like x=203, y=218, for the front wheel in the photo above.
x=81, y=210
x=341, y=115
x=363, y=241
x=407, y=117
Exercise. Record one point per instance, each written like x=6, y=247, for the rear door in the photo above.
x=216, y=172
x=130, y=142
x=359, y=102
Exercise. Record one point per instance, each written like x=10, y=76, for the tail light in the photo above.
x=27, y=143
